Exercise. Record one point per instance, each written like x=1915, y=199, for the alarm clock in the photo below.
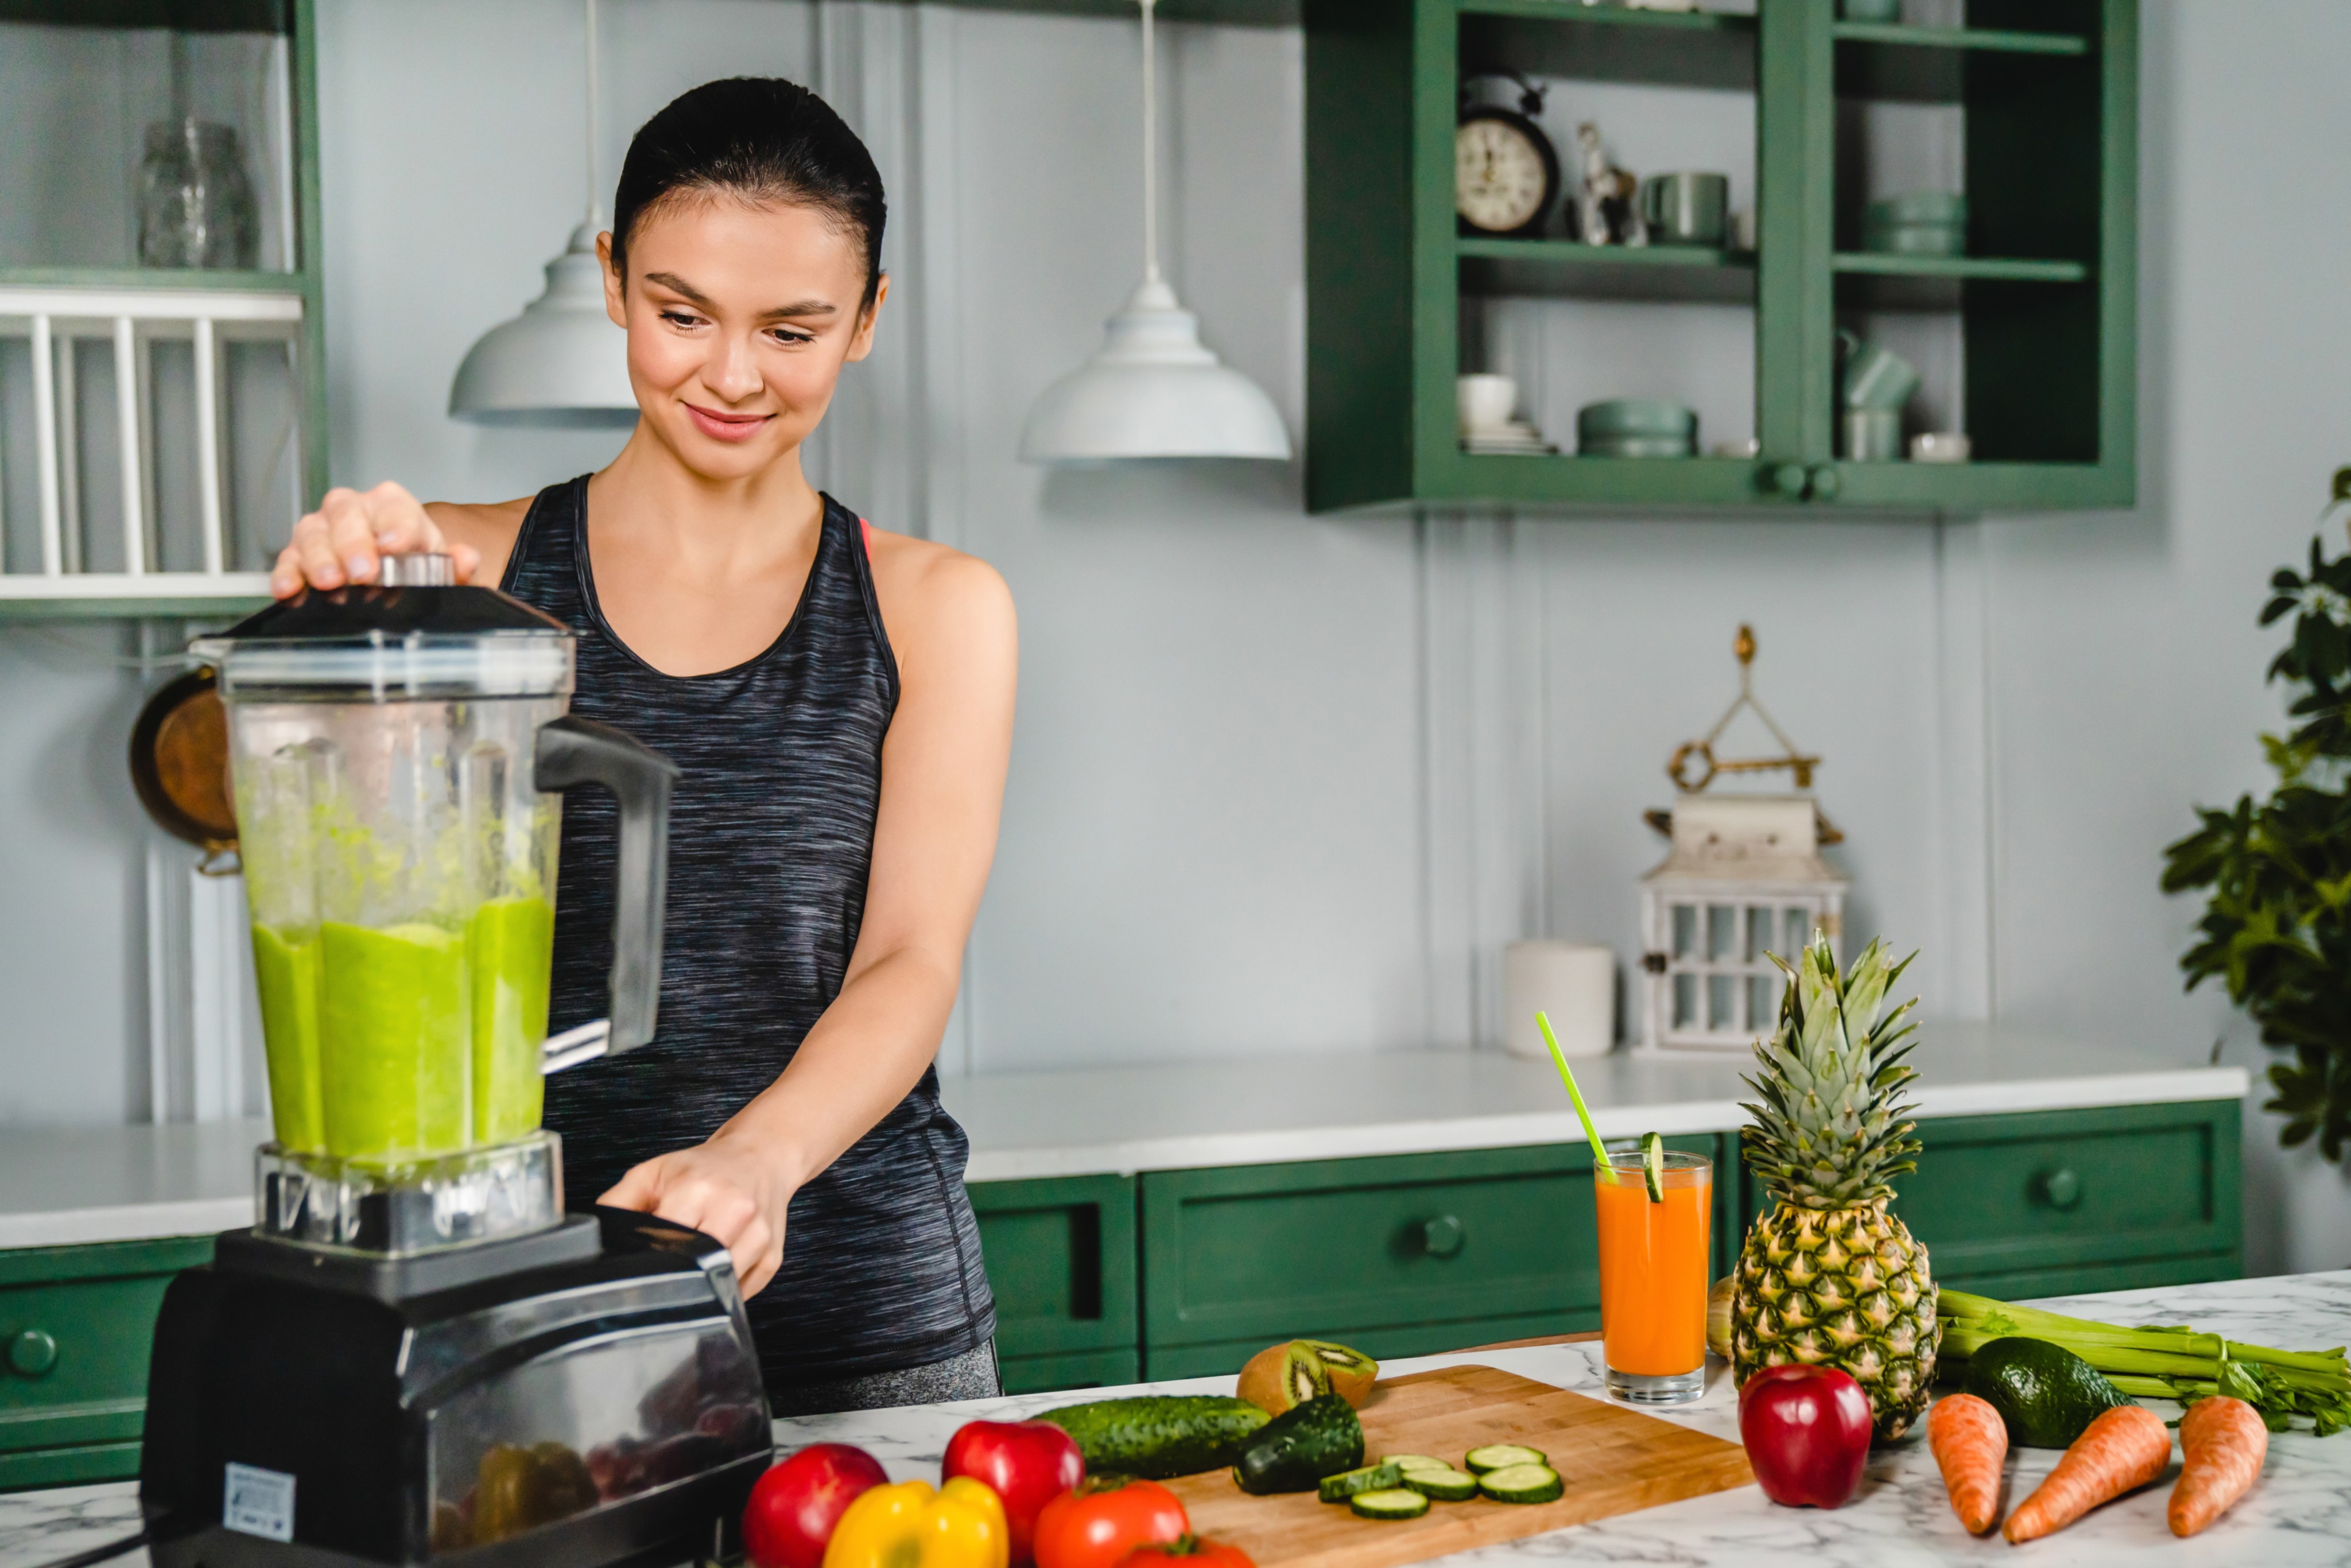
x=1505, y=171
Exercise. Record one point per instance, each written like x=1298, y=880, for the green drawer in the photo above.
x=75, y=1323
x=1398, y=1254
x=1060, y=1261
x=2055, y=1202
x=1050, y=1374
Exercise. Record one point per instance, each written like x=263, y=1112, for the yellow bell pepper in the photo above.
x=908, y=1525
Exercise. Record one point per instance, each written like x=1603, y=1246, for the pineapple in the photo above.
x=1829, y=1278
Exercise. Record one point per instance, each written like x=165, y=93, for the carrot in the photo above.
x=2122, y=1450
x=1969, y=1442
x=2223, y=1442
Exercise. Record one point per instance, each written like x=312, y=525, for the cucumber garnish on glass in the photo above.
x=1653, y=1165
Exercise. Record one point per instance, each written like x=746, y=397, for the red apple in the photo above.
x=1807, y=1433
x=1026, y=1463
x=795, y=1505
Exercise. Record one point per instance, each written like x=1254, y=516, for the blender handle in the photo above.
x=575, y=751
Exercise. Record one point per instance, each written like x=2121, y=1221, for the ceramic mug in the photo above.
x=1482, y=401
x=1872, y=434
x=1686, y=209
x=1875, y=376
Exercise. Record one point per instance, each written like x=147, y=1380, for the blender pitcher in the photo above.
x=395, y=754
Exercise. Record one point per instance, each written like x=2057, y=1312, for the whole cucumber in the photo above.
x=1155, y=1436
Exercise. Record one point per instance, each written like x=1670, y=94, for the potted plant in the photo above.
x=2277, y=921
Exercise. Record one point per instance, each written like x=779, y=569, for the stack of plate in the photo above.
x=1924, y=223
x=1511, y=436
x=1636, y=427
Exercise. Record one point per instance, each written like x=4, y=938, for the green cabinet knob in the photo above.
x=1824, y=482
x=2062, y=1188
x=1786, y=479
x=32, y=1353
x=1442, y=1237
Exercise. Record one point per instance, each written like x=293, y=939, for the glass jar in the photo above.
x=196, y=206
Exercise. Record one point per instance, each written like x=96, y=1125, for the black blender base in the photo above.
x=694, y=1521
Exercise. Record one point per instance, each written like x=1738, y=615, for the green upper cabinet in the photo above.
x=2021, y=329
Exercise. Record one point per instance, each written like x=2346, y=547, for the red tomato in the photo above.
x=1191, y=1551
x=796, y=1504
x=1806, y=1429
x=1098, y=1524
x=1027, y=1464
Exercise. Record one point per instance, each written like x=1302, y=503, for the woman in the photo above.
x=840, y=699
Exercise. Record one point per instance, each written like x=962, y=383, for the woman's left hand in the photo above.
x=724, y=1189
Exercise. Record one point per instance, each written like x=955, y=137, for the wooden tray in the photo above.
x=1614, y=1461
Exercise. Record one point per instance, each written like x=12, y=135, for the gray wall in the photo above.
x=1284, y=784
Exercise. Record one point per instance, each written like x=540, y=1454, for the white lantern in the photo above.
x=1744, y=878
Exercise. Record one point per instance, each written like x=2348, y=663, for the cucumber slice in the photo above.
x=1501, y=1456
x=1447, y=1485
x=1394, y=1503
x=1653, y=1165
x=1521, y=1483
x=1371, y=1478
x=1419, y=1462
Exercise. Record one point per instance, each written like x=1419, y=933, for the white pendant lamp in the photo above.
x=561, y=364
x=1155, y=389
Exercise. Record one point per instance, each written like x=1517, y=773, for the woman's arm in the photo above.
x=950, y=620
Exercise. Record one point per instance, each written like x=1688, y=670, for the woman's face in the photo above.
x=740, y=315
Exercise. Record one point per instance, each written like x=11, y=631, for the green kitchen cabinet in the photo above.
x=1398, y=1255
x=2039, y=315
x=2062, y=1202
x=2051, y=1203
x=1060, y=1255
x=184, y=520
x=75, y=1327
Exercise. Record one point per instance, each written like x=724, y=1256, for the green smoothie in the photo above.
x=510, y=943
x=395, y=1040
x=287, y=969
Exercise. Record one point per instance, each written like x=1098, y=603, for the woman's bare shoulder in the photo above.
x=935, y=597
x=490, y=526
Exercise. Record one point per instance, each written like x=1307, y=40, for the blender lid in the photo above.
x=417, y=633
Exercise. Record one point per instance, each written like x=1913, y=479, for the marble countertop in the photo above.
x=64, y=1186
x=2297, y=1516
x=1166, y=1117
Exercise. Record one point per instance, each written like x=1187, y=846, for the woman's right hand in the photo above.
x=352, y=530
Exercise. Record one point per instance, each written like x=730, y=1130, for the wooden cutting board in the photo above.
x=1612, y=1461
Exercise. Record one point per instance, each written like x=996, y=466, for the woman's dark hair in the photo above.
x=761, y=138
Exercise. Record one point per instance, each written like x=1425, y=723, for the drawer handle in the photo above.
x=2062, y=1190
x=32, y=1354
x=1443, y=1237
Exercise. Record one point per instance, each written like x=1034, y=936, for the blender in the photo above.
x=415, y=1353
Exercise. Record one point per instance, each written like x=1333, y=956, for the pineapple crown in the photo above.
x=1830, y=1131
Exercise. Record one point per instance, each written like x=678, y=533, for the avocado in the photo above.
x=1294, y=1451
x=2046, y=1396
x=1155, y=1436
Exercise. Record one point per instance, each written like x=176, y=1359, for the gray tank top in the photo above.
x=771, y=834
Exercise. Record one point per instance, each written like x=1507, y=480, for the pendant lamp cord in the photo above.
x=595, y=184
x=1150, y=151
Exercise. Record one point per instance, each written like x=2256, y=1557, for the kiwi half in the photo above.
x=1350, y=1371
x=1280, y=1377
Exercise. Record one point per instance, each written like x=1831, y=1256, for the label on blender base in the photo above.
x=259, y=1502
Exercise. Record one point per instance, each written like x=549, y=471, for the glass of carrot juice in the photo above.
x=1652, y=1283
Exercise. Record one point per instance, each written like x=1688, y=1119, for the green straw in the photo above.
x=1599, y=1151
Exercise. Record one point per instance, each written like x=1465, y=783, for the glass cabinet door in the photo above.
x=1619, y=324
x=164, y=138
